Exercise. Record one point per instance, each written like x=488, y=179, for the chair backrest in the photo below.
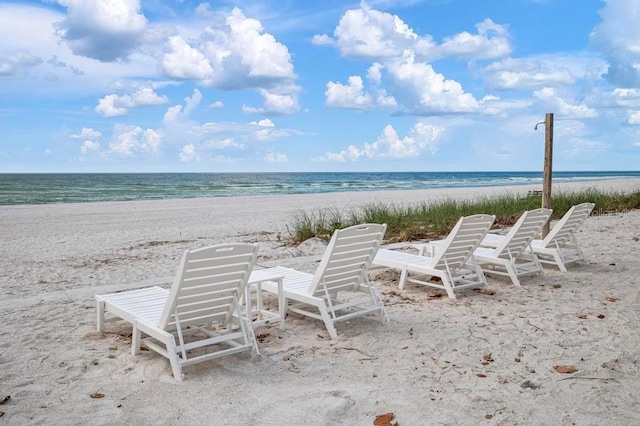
x=522, y=233
x=463, y=239
x=347, y=258
x=207, y=281
x=568, y=225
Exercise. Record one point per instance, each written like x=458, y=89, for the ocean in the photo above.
x=46, y=188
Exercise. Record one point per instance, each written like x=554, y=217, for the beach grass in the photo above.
x=436, y=219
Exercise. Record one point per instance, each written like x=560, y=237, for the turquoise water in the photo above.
x=72, y=188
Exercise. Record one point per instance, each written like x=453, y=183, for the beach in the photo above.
x=485, y=358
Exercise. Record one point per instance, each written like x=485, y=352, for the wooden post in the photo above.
x=548, y=162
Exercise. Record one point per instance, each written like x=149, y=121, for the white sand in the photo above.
x=426, y=366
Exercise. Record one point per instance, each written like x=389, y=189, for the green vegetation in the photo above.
x=430, y=220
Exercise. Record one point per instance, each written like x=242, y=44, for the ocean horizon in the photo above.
x=52, y=188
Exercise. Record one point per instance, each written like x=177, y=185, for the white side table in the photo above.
x=262, y=315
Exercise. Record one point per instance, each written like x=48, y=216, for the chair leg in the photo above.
x=328, y=322
x=100, y=307
x=173, y=359
x=448, y=286
x=513, y=274
x=136, y=338
x=559, y=261
x=403, y=278
x=283, y=302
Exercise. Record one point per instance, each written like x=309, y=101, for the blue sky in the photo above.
x=299, y=85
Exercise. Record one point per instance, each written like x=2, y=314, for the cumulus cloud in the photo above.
x=215, y=105
x=526, y=74
x=370, y=33
x=180, y=112
x=87, y=133
x=634, y=118
x=421, y=138
x=626, y=97
x=275, y=104
x=114, y=105
x=105, y=30
x=422, y=91
x=350, y=95
x=551, y=99
x=492, y=41
x=354, y=96
x=232, y=53
x=223, y=143
x=185, y=62
x=266, y=130
x=275, y=157
x=618, y=38
x=322, y=40
x=133, y=141
x=17, y=63
x=89, y=147
x=188, y=154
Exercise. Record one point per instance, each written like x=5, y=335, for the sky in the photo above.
x=332, y=85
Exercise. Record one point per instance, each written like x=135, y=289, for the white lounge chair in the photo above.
x=452, y=262
x=509, y=258
x=343, y=269
x=206, y=289
x=560, y=246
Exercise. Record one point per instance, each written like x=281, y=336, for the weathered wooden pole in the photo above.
x=548, y=166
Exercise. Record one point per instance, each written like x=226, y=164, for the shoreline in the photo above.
x=76, y=192
x=427, y=365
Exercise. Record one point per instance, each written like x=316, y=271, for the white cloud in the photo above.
x=628, y=98
x=107, y=106
x=618, y=37
x=188, y=154
x=266, y=130
x=372, y=34
x=117, y=105
x=264, y=123
x=527, y=74
x=494, y=105
x=223, y=143
x=350, y=95
x=420, y=90
x=17, y=63
x=180, y=113
x=492, y=41
x=106, y=30
x=369, y=33
x=275, y=104
x=87, y=133
x=184, y=62
x=133, y=141
x=634, y=118
x=71, y=73
x=552, y=100
x=233, y=52
x=89, y=146
x=215, y=105
x=374, y=73
x=322, y=40
x=276, y=157
x=421, y=138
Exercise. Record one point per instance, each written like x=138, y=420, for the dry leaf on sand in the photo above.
x=565, y=369
x=384, y=420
